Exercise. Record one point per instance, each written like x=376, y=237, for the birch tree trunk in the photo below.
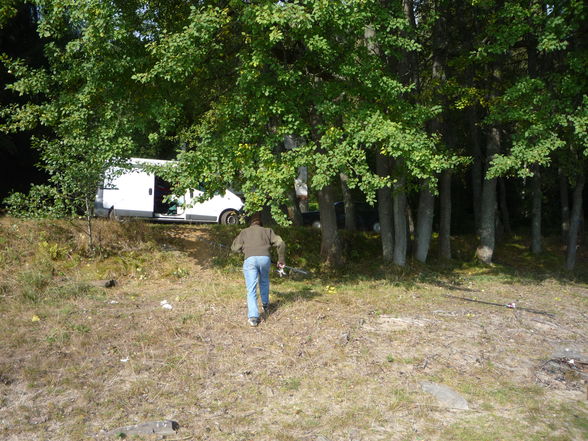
x=424, y=226
x=485, y=250
x=400, y=226
x=575, y=220
x=331, y=249
x=385, y=210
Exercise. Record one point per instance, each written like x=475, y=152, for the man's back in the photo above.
x=257, y=241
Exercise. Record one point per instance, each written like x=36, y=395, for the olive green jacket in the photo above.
x=257, y=241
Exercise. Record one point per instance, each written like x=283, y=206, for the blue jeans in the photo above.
x=256, y=268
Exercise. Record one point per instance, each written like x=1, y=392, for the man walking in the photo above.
x=255, y=243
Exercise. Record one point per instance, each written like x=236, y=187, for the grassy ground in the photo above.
x=341, y=357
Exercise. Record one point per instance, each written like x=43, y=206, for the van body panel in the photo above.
x=201, y=218
x=210, y=207
x=131, y=192
x=137, y=193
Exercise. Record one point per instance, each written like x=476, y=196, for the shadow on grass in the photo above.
x=280, y=298
x=513, y=262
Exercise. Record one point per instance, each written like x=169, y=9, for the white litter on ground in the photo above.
x=165, y=304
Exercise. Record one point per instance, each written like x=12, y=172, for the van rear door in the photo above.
x=131, y=194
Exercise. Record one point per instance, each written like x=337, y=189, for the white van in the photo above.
x=138, y=193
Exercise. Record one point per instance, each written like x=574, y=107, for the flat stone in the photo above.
x=446, y=396
x=166, y=427
x=570, y=353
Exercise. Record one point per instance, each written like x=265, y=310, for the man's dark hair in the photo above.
x=255, y=219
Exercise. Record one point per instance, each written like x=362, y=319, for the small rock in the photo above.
x=166, y=427
x=7, y=381
x=344, y=338
x=446, y=396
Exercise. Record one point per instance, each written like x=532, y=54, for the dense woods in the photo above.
x=453, y=117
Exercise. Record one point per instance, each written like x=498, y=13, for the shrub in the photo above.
x=42, y=201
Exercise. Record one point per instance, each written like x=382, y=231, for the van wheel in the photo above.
x=316, y=224
x=376, y=228
x=230, y=217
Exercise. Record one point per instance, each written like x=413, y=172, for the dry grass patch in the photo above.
x=340, y=358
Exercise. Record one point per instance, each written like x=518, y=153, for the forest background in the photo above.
x=453, y=116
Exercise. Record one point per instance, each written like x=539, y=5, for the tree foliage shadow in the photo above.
x=513, y=261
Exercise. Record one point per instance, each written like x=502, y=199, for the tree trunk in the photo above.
x=407, y=64
x=266, y=217
x=331, y=249
x=300, y=183
x=385, y=210
x=440, y=124
x=350, y=218
x=532, y=69
x=400, y=227
x=485, y=250
x=89, y=215
x=575, y=220
x=536, y=213
x=504, y=208
x=445, y=215
x=294, y=209
x=565, y=206
x=476, y=166
x=410, y=230
x=424, y=226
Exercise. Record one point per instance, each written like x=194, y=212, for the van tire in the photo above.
x=229, y=217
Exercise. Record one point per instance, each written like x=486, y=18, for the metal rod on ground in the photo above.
x=508, y=305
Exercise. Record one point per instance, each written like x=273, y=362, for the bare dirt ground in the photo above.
x=339, y=358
